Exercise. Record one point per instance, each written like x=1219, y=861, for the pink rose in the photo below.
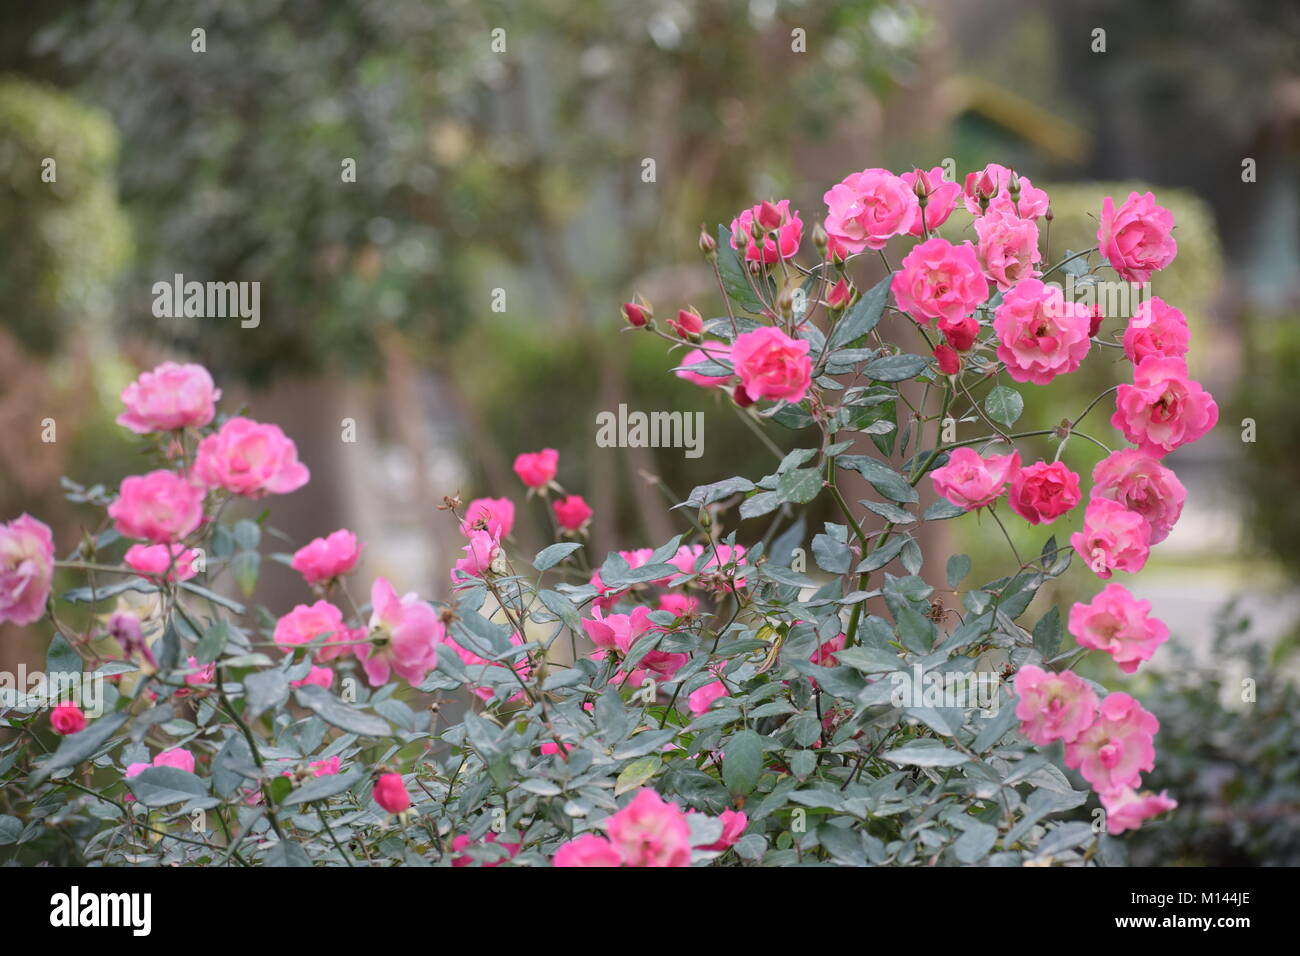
x=321, y=623
x=772, y=365
x=1163, y=408
x=324, y=559
x=322, y=677
x=67, y=718
x=1040, y=493
x=161, y=507
x=1136, y=240
x=174, y=562
x=250, y=459
x=698, y=357
x=701, y=700
x=1053, y=706
x=481, y=551
x=949, y=362
x=941, y=199
x=406, y=633
x=572, y=513
x=495, y=515
x=1040, y=335
x=867, y=208
x=1008, y=247
x=773, y=218
x=938, y=280
x=1118, y=747
x=650, y=832
x=1112, y=537
x=680, y=605
x=26, y=569
x=994, y=182
x=169, y=398
x=587, y=850
x=199, y=675
x=1126, y=809
x=960, y=333
x=462, y=842
x=177, y=757
x=1156, y=329
x=969, y=481
x=390, y=793
x=537, y=469
x=1120, y=625
x=1141, y=483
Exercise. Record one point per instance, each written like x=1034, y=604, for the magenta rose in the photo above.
x=938, y=280
x=67, y=718
x=169, y=398
x=1137, y=239
x=588, y=850
x=325, y=558
x=390, y=793
x=572, y=513
x=1053, y=706
x=495, y=515
x=1040, y=493
x=1156, y=329
x=867, y=208
x=1112, y=538
x=1040, y=335
x=320, y=623
x=1119, y=624
x=250, y=459
x=969, y=481
x=772, y=365
x=1163, y=408
x=1008, y=247
x=161, y=507
x=1142, y=484
x=537, y=469
x=774, y=219
x=26, y=569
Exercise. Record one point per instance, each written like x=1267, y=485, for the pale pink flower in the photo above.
x=161, y=507
x=940, y=202
x=1156, y=328
x=406, y=633
x=495, y=515
x=1126, y=809
x=26, y=569
x=1053, y=706
x=177, y=757
x=320, y=623
x=867, y=208
x=169, y=398
x=772, y=365
x=480, y=552
x=996, y=182
x=1137, y=239
x=1040, y=335
x=1112, y=538
x=1141, y=483
x=701, y=700
x=775, y=218
x=970, y=481
x=1119, y=624
x=938, y=280
x=1118, y=747
x=250, y=459
x=650, y=832
x=322, y=676
x=197, y=674
x=587, y=850
x=173, y=562
x=1163, y=409
x=733, y=827
x=323, y=559
x=1008, y=247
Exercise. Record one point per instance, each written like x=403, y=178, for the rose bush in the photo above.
x=709, y=700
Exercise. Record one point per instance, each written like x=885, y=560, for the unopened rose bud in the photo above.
x=757, y=232
x=921, y=185
x=785, y=302
x=708, y=245
x=1048, y=214
x=1095, y=324
x=390, y=793
x=688, y=324
x=637, y=314
x=819, y=238
x=741, y=397
x=949, y=361
x=1013, y=186
x=769, y=217
x=841, y=295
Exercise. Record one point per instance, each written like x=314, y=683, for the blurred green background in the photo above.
x=459, y=300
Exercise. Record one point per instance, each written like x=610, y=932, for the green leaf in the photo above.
x=757, y=505
x=285, y=853
x=344, y=716
x=886, y=481
x=888, y=511
x=245, y=566
x=562, y=608
x=702, y=495
x=734, y=278
x=831, y=554
x=319, y=788
x=213, y=643
x=799, y=486
x=869, y=660
x=925, y=753
x=77, y=747
x=942, y=510
x=895, y=368
x=862, y=317
x=1004, y=405
x=978, y=839
x=62, y=657
x=549, y=557
x=958, y=568
x=10, y=829
x=161, y=786
x=916, y=630
x=742, y=762
x=636, y=773
x=1047, y=633
x=213, y=596
x=248, y=534
x=264, y=690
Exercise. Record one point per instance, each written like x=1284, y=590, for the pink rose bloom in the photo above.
x=1126, y=809
x=325, y=768
x=938, y=280
x=1163, y=408
x=1008, y=247
x=177, y=757
x=685, y=558
x=321, y=676
x=587, y=850
x=495, y=515
x=1118, y=747
x=199, y=675
x=1140, y=483
x=1040, y=493
x=314, y=622
x=572, y=513
x=155, y=560
x=461, y=842
x=1112, y=537
x=409, y=632
x=481, y=551
x=1032, y=203
x=681, y=605
x=618, y=631
x=390, y=793
x=939, y=203
x=650, y=832
x=1040, y=335
x=696, y=357
x=772, y=365
x=701, y=700
x=969, y=481
x=323, y=559
x=773, y=218
x=67, y=718
x=1156, y=329
x=26, y=569
x=161, y=507
x=1120, y=625
x=1053, y=706
x=169, y=398
x=537, y=469
x=867, y=208
x=1137, y=239
x=250, y=459
x=733, y=826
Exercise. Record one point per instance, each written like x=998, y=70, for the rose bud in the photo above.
x=741, y=397
x=390, y=793
x=637, y=315
x=688, y=324
x=949, y=361
x=841, y=295
x=67, y=718
x=708, y=245
x=819, y=238
x=769, y=217
x=1097, y=319
x=921, y=185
